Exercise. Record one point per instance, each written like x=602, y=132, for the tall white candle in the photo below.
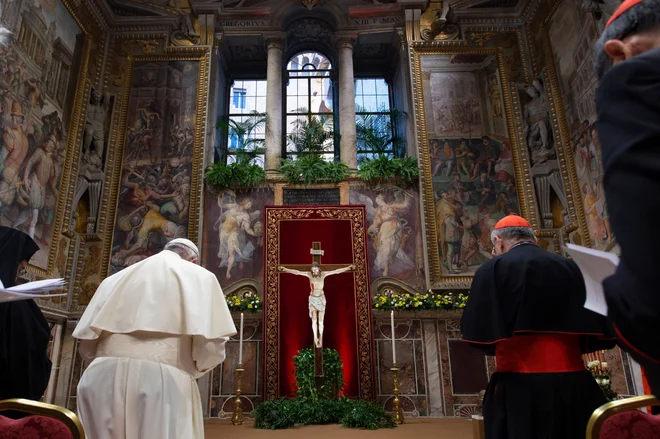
x=393, y=344
x=240, y=343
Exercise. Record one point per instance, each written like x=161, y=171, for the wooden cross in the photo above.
x=316, y=253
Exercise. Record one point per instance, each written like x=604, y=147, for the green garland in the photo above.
x=333, y=374
x=323, y=406
x=287, y=413
x=248, y=302
x=426, y=301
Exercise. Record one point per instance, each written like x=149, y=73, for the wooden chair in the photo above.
x=622, y=420
x=47, y=419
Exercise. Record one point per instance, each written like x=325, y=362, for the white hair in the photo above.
x=184, y=248
x=515, y=234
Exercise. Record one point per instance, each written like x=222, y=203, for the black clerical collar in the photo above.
x=518, y=244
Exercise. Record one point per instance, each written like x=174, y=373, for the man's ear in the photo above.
x=618, y=51
x=536, y=240
x=195, y=260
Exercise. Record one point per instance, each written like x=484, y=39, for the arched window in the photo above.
x=310, y=106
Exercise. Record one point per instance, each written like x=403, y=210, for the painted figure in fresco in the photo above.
x=504, y=163
x=486, y=158
x=597, y=228
x=16, y=147
x=153, y=222
x=537, y=124
x=387, y=231
x=485, y=190
x=94, y=134
x=495, y=98
x=39, y=177
x=317, y=300
x=464, y=158
x=235, y=225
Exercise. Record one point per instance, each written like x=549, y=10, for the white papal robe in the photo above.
x=143, y=385
x=151, y=330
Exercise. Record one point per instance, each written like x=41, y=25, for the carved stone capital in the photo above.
x=345, y=41
x=275, y=42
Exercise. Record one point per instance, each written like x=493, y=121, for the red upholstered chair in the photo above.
x=622, y=420
x=47, y=421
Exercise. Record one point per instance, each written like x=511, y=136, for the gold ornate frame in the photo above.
x=524, y=185
x=67, y=185
x=272, y=337
x=118, y=141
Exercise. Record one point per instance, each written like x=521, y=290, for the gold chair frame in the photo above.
x=612, y=408
x=52, y=411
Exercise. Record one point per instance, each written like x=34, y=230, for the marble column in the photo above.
x=275, y=46
x=348, y=141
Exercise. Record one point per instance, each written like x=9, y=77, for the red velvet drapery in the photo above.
x=290, y=232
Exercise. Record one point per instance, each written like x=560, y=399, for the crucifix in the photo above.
x=316, y=273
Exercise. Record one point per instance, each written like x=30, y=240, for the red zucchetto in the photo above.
x=627, y=4
x=512, y=221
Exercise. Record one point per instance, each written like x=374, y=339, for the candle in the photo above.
x=393, y=345
x=240, y=343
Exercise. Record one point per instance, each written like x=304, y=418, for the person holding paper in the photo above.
x=24, y=332
x=151, y=330
x=628, y=107
x=526, y=308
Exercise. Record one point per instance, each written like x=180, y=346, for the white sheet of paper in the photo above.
x=595, y=266
x=31, y=290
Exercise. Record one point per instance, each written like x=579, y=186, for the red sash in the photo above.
x=539, y=353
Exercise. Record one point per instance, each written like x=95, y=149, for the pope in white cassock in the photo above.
x=151, y=330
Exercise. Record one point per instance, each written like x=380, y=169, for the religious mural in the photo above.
x=394, y=229
x=37, y=83
x=233, y=234
x=154, y=196
x=572, y=35
x=470, y=156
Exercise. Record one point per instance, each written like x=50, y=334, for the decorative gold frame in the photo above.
x=66, y=416
x=521, y=168
x=271, y=315
x=201, y=54
x=67, y=183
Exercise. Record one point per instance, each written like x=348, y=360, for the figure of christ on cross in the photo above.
x=316, y=274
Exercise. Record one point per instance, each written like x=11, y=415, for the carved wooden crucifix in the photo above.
x=300, y=269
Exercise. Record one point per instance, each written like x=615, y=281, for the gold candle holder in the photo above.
x=237, y=417
x=397, y=413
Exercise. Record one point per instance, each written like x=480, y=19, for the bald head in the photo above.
x=184, y=248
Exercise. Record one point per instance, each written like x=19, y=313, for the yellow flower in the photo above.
x=377, y=305
x=250, y=306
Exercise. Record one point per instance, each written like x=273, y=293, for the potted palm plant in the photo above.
x=243, y=171
x=380, y=149
x=309, y=139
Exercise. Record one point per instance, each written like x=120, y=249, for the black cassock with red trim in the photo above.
x=526, y=307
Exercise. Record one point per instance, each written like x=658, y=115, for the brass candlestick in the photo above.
x=397, y=413
x=237, y=417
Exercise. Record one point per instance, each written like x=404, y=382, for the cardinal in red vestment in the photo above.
x=526, y=307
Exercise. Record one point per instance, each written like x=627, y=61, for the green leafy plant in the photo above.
x=243, y=172
x=311, y=168
x=309, y=139
x=286, y=413
x=333, y=371
x=384, y=167
x=411, y=302
x=310, y=134
x=375, y=132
